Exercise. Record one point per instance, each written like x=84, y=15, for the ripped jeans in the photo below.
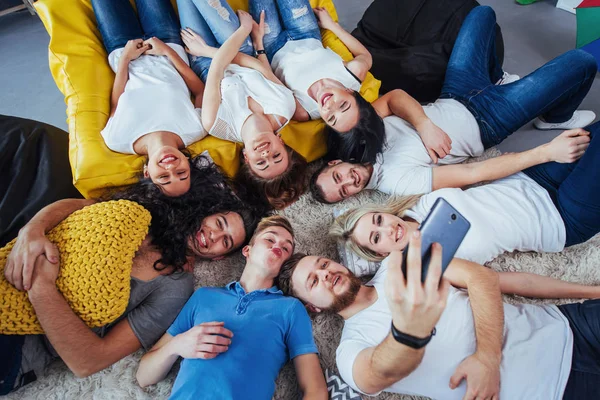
x=285, y=20
x=214, y=21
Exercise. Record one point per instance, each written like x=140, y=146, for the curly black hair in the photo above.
x=176, y=219
x=363, y=142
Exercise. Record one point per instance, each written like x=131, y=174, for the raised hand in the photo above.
x=156, y=47
x=569, y=146
x=133, y=49
x=246, y=21
x=323, y=18
x=258, y=30
x=416, y=307
x=206, y=340
x=195, y=45
x=437, y=142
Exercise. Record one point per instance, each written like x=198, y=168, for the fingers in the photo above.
x=457, y=378
x=212, y=348
x=395, y=267
x=433, y=156
x=262, y=18
x=17, y=273
x=576, y=132
x=51, y=252
x=212, y=323
x=216, y=330
x=441, y=152
x=413, y=261
x=8, y=269
x=216, y=339
x=434, y=272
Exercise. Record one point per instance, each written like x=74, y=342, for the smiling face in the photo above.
x=169, y=168
x=270, y=248
x=324, y=284
x=266, y=155
x=218, y=235
x=337, y=106
x=341, y=180
x=382, y=233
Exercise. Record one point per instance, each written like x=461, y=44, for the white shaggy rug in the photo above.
x=311, y=221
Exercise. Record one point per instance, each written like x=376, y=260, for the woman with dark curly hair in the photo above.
x=209, y=221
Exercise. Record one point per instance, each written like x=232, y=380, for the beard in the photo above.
x=345, y=300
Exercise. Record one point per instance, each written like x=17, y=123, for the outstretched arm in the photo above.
x=310, y=377
x=399, y=103
x=32, y=241
x=362, y=62
x=568, y=147
x=544, y=287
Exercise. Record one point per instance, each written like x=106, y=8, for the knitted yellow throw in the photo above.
x=97, y=245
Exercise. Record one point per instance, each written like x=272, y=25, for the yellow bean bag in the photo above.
x=97, y=245
x=79, y=65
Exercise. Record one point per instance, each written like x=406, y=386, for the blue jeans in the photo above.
x=553, y=91
x=10, y=354
x=215, y=22
x=575, y=189
x=584, y=380
x=118, y=22
x=286, y=20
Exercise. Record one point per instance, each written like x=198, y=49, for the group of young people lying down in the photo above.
x=237, y=97
x=235, y=339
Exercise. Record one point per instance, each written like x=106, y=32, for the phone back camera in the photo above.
x=453, y=216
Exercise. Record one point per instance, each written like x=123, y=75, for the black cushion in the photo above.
x=34, y=161
x=411, y=42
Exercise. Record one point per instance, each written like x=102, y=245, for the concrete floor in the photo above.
x=533, y=35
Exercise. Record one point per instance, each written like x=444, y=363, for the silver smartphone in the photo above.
x=443, y=225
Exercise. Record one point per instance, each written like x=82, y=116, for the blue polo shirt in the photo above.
x=269, y=329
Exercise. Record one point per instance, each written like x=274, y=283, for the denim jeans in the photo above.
x=118, y=22
x=584, y=380
x=10, y=354
x=215, y=22
x=285, y=20
x=553, y=91
x=575, y=189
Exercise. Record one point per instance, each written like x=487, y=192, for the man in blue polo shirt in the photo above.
x=234, y=340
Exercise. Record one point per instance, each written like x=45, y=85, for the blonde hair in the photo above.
x=343, y=227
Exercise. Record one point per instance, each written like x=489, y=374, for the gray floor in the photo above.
x=533, y=35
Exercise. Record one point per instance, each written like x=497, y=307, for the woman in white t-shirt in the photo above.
x=150, y=108
x=244, y=101
x=543, y=209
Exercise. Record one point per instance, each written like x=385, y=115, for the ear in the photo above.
x=312, y=308
x=245, y=156
x=334, y=162
x=280, y=138
x=246, y=251
x=146, y=174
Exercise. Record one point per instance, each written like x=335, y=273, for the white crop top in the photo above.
x=300, y=63
x=156, y=98
x=237, y=85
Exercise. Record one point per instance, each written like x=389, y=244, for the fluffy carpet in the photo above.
x=310, y=221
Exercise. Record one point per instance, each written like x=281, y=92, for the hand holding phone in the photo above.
x=443, y=225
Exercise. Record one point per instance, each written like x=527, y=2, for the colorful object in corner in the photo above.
x=588, y=27
x=97, y=245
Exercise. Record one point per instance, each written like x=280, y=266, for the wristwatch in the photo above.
x=259, y=52
x=409, y=340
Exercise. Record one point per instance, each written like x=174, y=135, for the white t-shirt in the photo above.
x=405, y=167
x=237, y=85
x=536, y=352
x=513, y=213
x=300, y=63
x=156, y=98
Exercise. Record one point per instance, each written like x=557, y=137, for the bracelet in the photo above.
x=409, y=340
x=259, y=52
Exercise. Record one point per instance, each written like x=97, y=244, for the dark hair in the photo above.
x=176, y=219
x=280, y=191
x=363, y=142
x=284, y=279
x=315, y=189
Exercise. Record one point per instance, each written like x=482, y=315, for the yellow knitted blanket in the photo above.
x=97, y=245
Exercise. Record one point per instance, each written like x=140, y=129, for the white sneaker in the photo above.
x=580, y=119
x=507, y=78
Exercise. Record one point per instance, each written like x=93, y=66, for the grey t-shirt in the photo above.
x=153, y=306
